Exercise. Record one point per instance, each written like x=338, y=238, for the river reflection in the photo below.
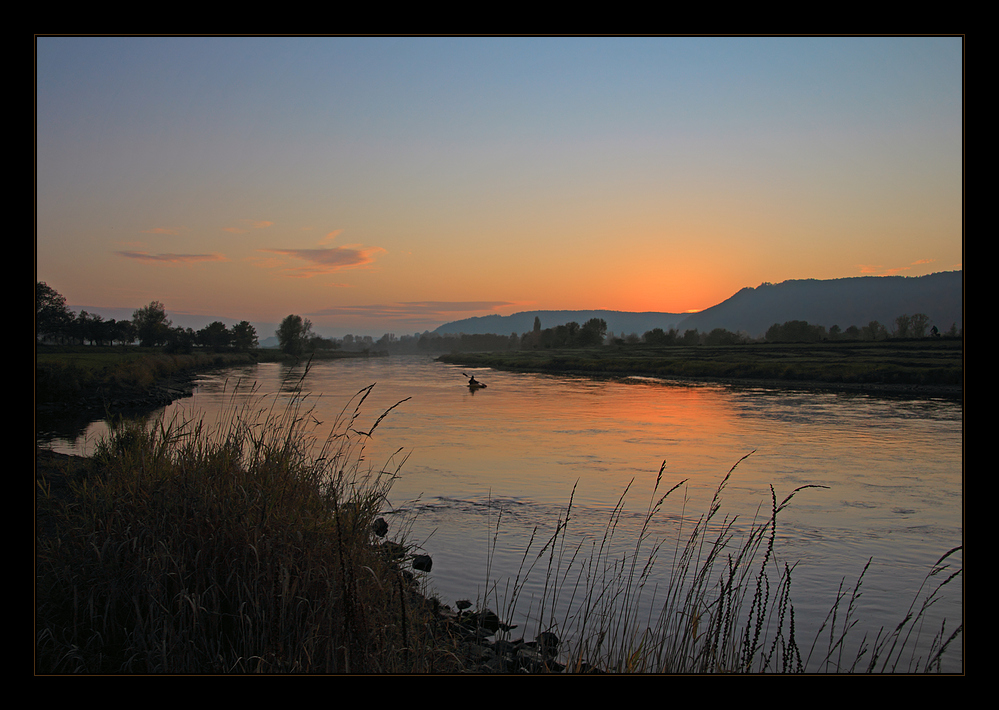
x=516, y=452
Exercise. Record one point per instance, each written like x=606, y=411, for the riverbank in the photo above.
x=391, y=627
x=100, y=380
x=923, y=368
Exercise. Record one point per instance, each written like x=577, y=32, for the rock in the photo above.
x=422, y=563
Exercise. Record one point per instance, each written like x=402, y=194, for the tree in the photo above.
x=918, y=324
x=52, y=318
x=293, y=334
x=875, y=331
x=215, y=336
x=902, y=325
x=124, y=332
x=151, y=324
x=91, y=327
x=720, y=336
x=180, y=340
x=691, y=337
x=593, y=332
x=244, y=336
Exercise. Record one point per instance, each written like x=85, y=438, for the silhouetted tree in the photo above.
x=53, y=319
x=244, y=336
x=592, y=333
x=875, y=331
x=123, y=332
x=795, y=331
x=216, y=336
x=293, y=334
x=720, y=336
x=918, y=324
x=180, y=340
x=151, y=324
x=902, y=324
x=317, y=342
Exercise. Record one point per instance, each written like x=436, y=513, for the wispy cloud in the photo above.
x=170, y=258
x=327, y=260
x=409, y=309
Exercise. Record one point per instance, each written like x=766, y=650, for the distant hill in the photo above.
x=617, y=322
x=843, y=302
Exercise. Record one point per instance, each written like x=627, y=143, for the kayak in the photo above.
x=476, y=386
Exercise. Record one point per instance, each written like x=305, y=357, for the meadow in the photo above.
x=928, y=363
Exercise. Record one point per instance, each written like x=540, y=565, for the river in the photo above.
x=482, y=473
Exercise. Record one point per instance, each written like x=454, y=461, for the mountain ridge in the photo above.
x=855, y=300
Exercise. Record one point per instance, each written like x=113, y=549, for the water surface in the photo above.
x=488, y=471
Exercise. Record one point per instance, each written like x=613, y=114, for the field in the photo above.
x=935, y=365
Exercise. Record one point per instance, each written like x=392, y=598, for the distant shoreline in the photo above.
x=910, y=369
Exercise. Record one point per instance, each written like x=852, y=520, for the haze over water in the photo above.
x=516, y=452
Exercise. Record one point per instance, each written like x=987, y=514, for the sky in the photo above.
x=393, y=184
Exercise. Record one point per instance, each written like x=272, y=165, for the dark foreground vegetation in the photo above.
x=257, y=545
x=933, y=365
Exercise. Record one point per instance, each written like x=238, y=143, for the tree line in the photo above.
x=149, y=326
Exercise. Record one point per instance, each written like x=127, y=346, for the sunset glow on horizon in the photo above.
x=380, y=185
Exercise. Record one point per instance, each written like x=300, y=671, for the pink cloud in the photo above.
x=327, y=261
x=170, y=258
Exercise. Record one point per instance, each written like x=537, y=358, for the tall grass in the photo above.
x=723, y=602
x=244, y=547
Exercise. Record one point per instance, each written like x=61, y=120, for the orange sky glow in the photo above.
x=394, y=184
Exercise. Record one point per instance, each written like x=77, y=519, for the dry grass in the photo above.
x=726, y=605
x=247, y=547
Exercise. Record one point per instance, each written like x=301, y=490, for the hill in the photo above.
x=617, y=322
x=843, y=302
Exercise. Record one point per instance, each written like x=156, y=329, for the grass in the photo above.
x=925, y=362
x=249, y=547
x=71, y=373
x=726, y=605
x=242, y=549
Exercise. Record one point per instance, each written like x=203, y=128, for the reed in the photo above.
x=244, y=547
x=723, y=603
